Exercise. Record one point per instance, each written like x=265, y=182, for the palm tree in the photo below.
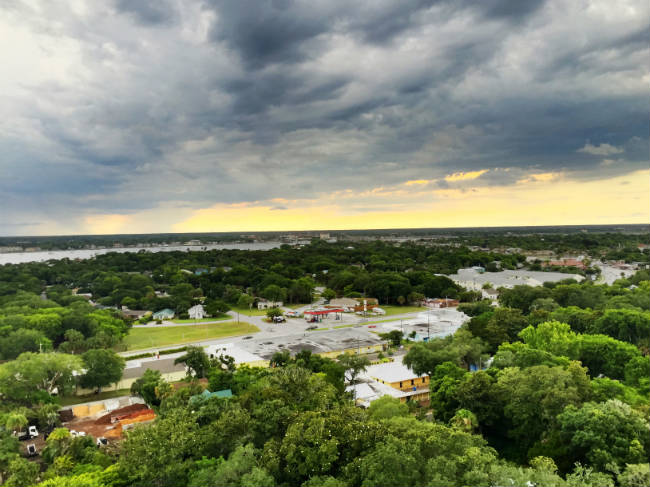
x=16, y=421
x=48, y=415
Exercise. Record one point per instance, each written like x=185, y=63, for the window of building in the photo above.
x=400, y=384
x=412, y=382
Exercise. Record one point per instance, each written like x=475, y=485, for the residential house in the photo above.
x=196, y=312
x=265, y=304
x=164, y=314
x=491, y=294
x=134, y=314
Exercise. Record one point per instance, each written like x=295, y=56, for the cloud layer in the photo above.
x=156, y=111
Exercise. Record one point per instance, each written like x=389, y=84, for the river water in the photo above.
x=22, y=257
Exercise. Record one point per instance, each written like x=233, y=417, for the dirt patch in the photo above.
x=107, y=418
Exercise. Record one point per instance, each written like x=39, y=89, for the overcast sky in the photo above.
x=169, y=115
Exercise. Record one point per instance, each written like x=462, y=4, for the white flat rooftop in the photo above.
x=391, y=372
x=372, y=390
x=239, y=354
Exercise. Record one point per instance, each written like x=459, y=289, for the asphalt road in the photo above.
x=349, y=332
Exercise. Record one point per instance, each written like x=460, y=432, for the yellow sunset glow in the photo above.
x=465, y=176
x=546, y=201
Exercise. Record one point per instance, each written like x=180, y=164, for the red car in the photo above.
x=372, y=326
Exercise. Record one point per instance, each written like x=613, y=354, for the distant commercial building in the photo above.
x=344, y=302
x=473, y=280
x=565, y=263
x=441, y=303
x=399, y=377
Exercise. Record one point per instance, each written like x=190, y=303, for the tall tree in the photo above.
x=196, y=361
x=103, y=367
x=606, y=435
x=22, y=379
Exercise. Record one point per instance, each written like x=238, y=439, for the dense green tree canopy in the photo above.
x=103, y=367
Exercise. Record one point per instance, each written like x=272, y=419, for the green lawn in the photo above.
x=250, y=312
x=346, y=326
x=204, y=320
x=140, y=338
x=70, y=400
x=400, y=310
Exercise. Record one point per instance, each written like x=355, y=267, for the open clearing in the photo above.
x=203, y=320
x=400, y=310
x=140, y=338
x=250, y=312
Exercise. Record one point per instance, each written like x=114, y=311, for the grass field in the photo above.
x=400, y=310
x=140, y=338
x=250, y=312
x=204, y=320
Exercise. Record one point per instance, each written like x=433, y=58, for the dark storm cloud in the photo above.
x=514, y=10
x=201, y=102
x=268, y=31
x=151, y=12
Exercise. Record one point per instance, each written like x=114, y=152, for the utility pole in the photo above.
x=428, y=327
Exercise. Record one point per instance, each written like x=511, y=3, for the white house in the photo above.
x=491, y=294
x=196, y=312
x=264, y=304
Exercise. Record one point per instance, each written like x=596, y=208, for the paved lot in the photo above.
x=295, y=337
x=314, y=341
x=609, y=273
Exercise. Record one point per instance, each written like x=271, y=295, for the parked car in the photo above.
x=279, y=319
x=312, y=327
x=247, y=338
